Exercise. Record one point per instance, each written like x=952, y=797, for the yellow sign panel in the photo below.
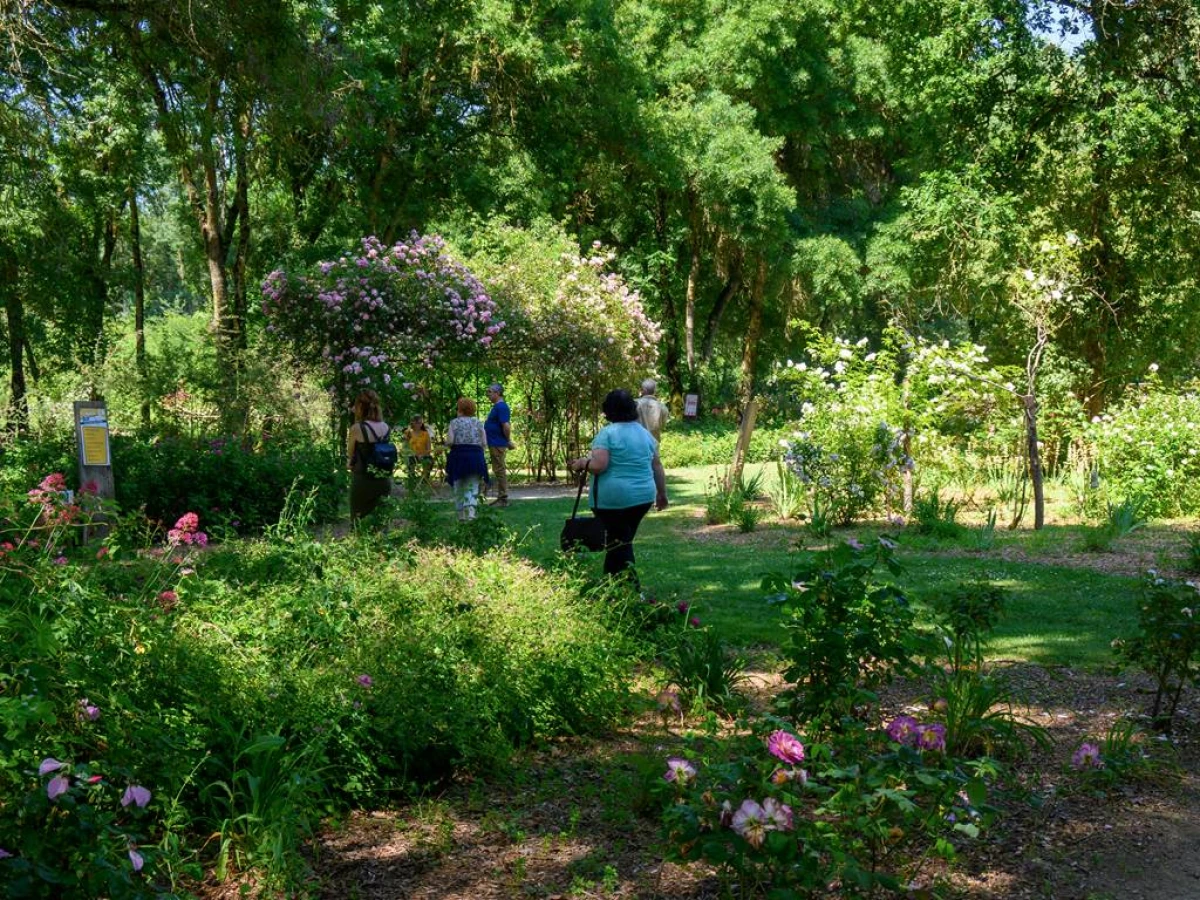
x=95, y=445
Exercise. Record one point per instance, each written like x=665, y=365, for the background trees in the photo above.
x=753, y=166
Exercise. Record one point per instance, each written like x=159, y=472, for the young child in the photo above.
x=420, y=449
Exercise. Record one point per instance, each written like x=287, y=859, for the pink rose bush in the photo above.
x=795, y=831
x=365, y=318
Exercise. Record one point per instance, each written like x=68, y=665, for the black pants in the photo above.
x=622, y=526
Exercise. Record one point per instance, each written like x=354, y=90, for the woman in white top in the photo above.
x=466, y=465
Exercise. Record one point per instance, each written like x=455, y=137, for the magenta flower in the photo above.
x=365, y=680
x=135, y=794
x=135, y=859
x=750, y=822
x=1087, y=757
x=903, y=730
x=60, y=560
x=786, y=747
x=57, y=786
x=694, y=621
x=4, y=854
x=931, y=737
x=679, y=770
x=778, y=815
x=50, y=764
x=87, y=712
x=683, y=606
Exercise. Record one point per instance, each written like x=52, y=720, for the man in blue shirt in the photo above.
x=499, y=441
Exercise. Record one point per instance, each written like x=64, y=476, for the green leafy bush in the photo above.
x=228, y=482
x=352, y=669
x=847, y=633
x=711, y=442
x=937, y=517
x=1147, y=450
x=1167, y=644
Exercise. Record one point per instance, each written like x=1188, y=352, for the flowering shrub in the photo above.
x=1147, y=451
x=849, y=817
x=360, y=318
x=575, y=328
x=846, y=633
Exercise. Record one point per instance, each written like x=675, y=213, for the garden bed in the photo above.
x=568, y=821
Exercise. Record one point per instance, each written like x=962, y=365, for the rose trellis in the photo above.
x=383, y=316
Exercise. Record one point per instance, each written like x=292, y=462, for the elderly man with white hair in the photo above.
x=652, y=412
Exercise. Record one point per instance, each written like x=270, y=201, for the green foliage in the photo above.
x=1147, y=452
x=256, y=686
x=965, y=617
x=788, y=497
x=1167, y=644
x=793, y=818
x=1124, y=518
x=936, y=517
x=846, y=633
x=228, y=481
x=1192, y=554
x=728, y=499
x=977, y=710
x=703, y=669
x=711, y=442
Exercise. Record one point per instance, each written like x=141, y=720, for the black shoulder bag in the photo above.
x=583, y=532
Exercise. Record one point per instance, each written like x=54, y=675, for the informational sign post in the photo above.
x=95, y=454
x=691, y=406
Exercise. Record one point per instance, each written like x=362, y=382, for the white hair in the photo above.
x=649, y=386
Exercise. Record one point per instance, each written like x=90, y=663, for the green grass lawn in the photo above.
x=1057, y=614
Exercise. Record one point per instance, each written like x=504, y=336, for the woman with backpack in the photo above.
x=370, y=478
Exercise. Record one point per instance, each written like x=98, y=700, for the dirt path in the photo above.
x=571, y=821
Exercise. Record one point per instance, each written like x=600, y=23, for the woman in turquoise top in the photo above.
x=627, y=479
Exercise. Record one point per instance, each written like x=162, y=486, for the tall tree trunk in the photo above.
x=1035, y=461
x=689, y=314
x=139, y=306
x=14, y=309
x=666, y=295
x=753, y=335
x=732, y=285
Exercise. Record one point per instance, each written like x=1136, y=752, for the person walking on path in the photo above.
x=499, y=441
x=367, y=487
x=652, y=412
x=466, y=466
x=627, y=479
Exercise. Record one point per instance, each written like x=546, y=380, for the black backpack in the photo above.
x=379, y=454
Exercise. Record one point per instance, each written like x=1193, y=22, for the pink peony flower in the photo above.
x=57, y=786
x=1087, y=757
x=135, y=794
x=778, y=815
x=750, y=822
x=679, y=770
x=786, y=747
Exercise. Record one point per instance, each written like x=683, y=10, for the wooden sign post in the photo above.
x=95, y=454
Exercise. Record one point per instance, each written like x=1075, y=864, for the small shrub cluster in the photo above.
x=234, y=485
x=711, y=442
x=732, y=500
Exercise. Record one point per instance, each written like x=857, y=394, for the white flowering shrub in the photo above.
x=845, y=451
x=1147, y=450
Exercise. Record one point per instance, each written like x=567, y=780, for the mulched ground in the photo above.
x=550, y=830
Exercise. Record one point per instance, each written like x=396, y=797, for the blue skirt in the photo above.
x=464, y=461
